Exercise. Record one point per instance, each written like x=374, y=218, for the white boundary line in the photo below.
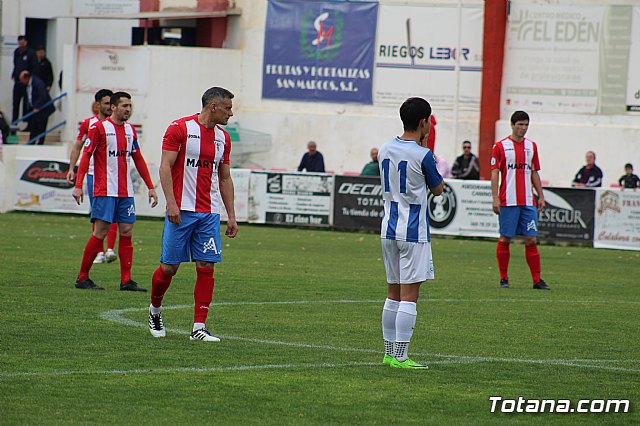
x=116, y=316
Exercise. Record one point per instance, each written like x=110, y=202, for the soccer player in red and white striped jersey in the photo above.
x=113, y=143
x=194, y=168
x=103, y=101
x=516, y=159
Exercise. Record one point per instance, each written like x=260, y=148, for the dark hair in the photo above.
x=102, y=93
x=519, y=116
x=215, y=94
x=21, y=37
x=628, y=165
x=463, y=142
x=115, y=98
x=412, y=111
x=594, y=155
x=40, y=47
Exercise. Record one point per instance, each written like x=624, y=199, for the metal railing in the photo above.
x=32, y=113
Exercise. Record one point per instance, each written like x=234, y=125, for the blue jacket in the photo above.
x=25, y=60
x=40, y=96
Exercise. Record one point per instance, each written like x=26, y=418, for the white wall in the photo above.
x=177, y=78
x=344, y=132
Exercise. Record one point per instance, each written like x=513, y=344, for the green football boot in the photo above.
x=386, y=360
x=407, y=363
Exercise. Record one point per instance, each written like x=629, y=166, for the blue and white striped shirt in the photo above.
x=407, y=171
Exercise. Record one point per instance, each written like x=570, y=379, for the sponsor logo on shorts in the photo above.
x=210, y=245
x=131, y=210
x=532, y=225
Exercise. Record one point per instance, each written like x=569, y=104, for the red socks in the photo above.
x=502, y=254
x=125, y=253
x=111, y=236
x=91, y=250
x=533, y=260
x=202, y=294
x=159, y=284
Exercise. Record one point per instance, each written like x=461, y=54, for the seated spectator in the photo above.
x=312, y=160
x=629, y=180
x=372, y=168
x=466, y=166
x=442, y=166
x=589, y=176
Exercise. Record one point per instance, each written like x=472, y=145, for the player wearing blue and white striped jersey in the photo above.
x=407, y=171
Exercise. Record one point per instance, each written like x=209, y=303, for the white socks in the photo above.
x=154, y=310
x=389, y=313
x=199, y=325
x=405, y=322
x=398, y=321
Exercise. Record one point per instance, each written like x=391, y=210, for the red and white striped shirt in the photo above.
x=112, y=147
x=516, y=161
x=82, y=135
x=195, y=172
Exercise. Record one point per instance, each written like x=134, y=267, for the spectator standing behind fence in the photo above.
x=24, y=59
x=629, y=180
x=589, y=176
x=372, y=168
x=43, y=69
x=466, y=166
x=312, y=160
x=38, y=99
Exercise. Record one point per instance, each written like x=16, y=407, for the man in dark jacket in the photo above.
x=466, y=166
x=589, y=176
x=37, y=97
x=312, y=160
x=24, y=59
x=43, y=70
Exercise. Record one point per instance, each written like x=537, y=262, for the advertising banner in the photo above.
x=633, y=76
x=319, y=51
x=417, y=55
x=463, y=208
x=357, y=203
x=41, y=185
x=568, y=214
x=123, y=68
x=241, y=179
x=617, y=221
x=552, y=58
x=290, y=198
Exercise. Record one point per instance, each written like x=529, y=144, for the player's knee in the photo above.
x=169, y=269
x=202, y=264
x=529, y=241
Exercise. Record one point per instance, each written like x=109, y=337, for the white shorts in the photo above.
x=407, y=263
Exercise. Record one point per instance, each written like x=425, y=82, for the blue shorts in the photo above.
x=196, y=238
x=518, y=220
x=90, y=189
x=113, y=209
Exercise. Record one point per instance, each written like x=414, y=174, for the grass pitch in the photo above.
x=299, y=314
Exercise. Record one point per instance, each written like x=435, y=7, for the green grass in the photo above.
x=69, y=356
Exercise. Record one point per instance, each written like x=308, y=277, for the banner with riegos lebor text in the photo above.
x=417, y=55
x=319, y=51
x=302, y=199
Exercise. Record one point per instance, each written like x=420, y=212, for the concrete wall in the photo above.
x=344, y=132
